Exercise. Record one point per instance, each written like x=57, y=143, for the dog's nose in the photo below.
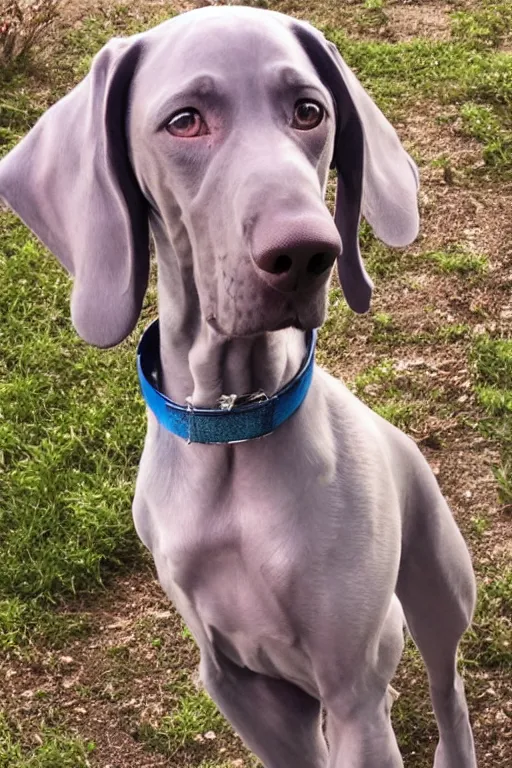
x=294, y=258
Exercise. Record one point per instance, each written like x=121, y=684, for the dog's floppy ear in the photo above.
x=376, y=176
x=71, y=182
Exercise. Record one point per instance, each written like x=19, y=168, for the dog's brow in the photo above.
x=199, y=89
x=287, y=75
x=288, y=80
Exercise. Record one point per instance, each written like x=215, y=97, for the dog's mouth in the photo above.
x=247, y=329
x=268, y=311
x=293, y=321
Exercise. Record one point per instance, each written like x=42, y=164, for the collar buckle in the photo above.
x=228, y=402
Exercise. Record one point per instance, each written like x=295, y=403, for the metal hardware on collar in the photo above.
x=227, y=402
x=245, y=417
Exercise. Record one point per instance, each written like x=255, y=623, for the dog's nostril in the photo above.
x=282, y=264
x=319, y=263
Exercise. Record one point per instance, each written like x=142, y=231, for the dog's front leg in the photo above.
x=279, y=722
x=357, y=698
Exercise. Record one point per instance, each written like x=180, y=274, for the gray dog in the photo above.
x=290, y=557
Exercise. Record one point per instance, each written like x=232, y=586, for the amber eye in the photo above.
x=307, y=115
x=187, y=123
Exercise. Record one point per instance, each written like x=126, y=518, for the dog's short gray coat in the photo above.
x=290, y=557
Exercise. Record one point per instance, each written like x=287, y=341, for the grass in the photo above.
x=372, y=15
x=483, y=123
x=489, y=641
x=24, y=623
x=195, y=719
x=399, y=396
x=72, y=423
x=451, y=71
x=492, y=370
x=479, y=82
x=457, y=260
x=411, y=718
x=54, y=750
x=488, y=644
x=387, y=331
x=71, y=429
x=486, y=26
x=380, y=261
x=332, y=335
x=383, y=262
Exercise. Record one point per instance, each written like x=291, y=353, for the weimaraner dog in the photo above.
x=295, y=557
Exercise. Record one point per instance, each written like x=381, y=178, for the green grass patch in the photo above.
x=20, y=107
x=332, y=336
x=395, y=395
x=503, y=475
x=80, y=44
x=480, y=82
x=479, y=525
x=55, y=750
x=371, y=16
x=387, y=331
x=492, y=371
x=489, y=641
x=397, y=73
x=194, y=716
x=456, y=260
x=380, y=261
x=483, y=122
x=23, y=623
x=452, y=332
x=493, y=362
x=495, y=401
x=397, y=412
x=411, y=714
x=71, y=429
x=487, y=26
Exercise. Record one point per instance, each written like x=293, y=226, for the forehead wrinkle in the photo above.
x=201, y=85
x=198, y=89
x=294, y=79
x=288, y=75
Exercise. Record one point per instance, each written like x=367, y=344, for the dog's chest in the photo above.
x=234, y=583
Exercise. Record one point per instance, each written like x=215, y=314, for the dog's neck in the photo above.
x=199, y=365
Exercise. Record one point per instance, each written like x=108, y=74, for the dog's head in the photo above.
x=218, y=128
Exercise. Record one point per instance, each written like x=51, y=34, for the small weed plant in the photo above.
x=23, y=25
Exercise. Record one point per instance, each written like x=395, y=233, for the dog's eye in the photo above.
x=187, y=123
x=307, y=115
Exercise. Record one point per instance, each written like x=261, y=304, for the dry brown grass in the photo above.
x=23, y=25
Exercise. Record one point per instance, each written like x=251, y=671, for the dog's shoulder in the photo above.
x=354, y=422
